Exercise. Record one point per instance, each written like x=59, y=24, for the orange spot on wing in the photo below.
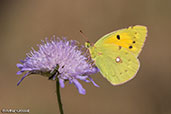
x=124, y=40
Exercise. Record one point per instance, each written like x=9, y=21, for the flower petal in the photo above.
x=61, y=81
x=23, y=78
x=22, y=61
x=84, y=78
x=26, y=69
x=19, y=72
x=91, y=71
x=79, y=87
x=20, y=66
x=93, y=82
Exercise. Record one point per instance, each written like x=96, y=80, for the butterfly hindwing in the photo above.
x=116, y=64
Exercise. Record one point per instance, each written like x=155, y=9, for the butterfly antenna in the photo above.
x=84, y=36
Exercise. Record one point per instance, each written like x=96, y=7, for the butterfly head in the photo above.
x=88, y=44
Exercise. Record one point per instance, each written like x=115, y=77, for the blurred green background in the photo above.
x=23, y=23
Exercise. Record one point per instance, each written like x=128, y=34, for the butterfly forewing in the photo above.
x=131, y=38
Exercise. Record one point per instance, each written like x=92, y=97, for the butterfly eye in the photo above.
x=118, y=37
x=133, y=42
x=87, y=44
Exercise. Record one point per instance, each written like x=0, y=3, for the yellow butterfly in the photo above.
x=115, y=54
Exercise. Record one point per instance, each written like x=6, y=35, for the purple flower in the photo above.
x=61, y=60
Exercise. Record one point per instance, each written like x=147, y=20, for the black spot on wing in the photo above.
x=130, y=47
x=118, y=37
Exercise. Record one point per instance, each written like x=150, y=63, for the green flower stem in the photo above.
x=59, y=97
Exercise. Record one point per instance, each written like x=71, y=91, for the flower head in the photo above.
x=61, y=60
